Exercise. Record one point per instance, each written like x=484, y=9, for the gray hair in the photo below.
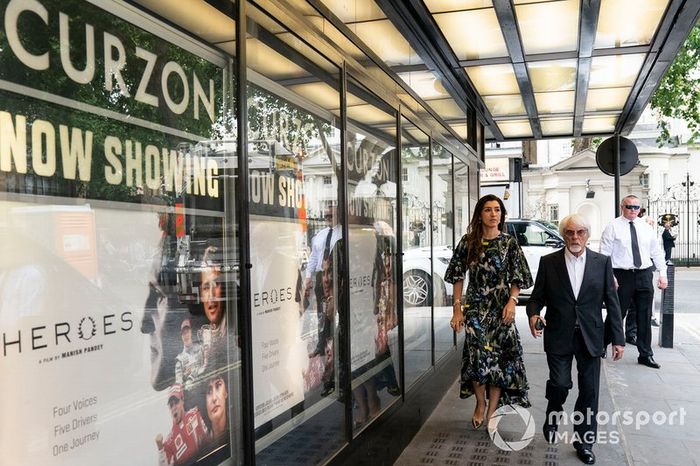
x=629, y=196
x=578, y=219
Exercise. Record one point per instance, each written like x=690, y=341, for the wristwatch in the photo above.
x=515, y=298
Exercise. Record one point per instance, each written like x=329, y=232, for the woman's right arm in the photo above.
x=457, y=321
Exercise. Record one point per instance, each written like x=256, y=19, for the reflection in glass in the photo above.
x=461, y=194
x=293, y=165
x=443, y=231
x=139, y=264
x=417, y=282
x=371, y=171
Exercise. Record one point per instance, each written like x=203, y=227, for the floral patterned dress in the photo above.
x=492, y=352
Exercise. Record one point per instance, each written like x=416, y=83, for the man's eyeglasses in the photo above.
x=632, y=207
x=571, y=233
x=328, y=216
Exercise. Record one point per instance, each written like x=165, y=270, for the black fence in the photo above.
x=687, y=212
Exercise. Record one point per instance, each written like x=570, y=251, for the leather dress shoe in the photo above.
x=631, y=340
x=550, y=432
x=649, y=362
x=584, y=453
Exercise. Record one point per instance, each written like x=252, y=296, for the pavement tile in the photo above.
x=650, y=450
x=680, y=380
x=678, y=368
x=693, y=447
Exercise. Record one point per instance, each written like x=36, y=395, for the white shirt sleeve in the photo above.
x=317, y=245
x=657, y=254
x=607, y=239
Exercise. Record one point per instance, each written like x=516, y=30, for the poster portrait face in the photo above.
x=177, y=409
x=162, y=319
x=211, y=295
x=217, y=397
x=187, y=336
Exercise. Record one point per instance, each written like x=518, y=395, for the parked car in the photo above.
x=535, y=238
x=417, y=284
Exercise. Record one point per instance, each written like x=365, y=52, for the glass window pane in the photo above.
x=494, y=79
x=556, y=126
x=602, y=100
x=417, y=283
x=615, y=71
x=547, y=27
x=296, y=238
x=426, y=84
x=599, y=124
x=515, y=128
x=436, y=6
x=473, y=34
x=554, y=75
x=119, y=265
x=641, y=18
x=351, y=11
x=555, y=102
x=197, y=17
x=443, y=245
x=505, y=105
x=387, y=42
x=374, y=331
x=448, y=109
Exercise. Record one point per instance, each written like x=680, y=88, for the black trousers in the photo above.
x=324, y=324
x=636, y=288
x=559, y=384
x=631, y=322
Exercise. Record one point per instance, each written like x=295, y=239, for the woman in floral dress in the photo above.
x=492, y=359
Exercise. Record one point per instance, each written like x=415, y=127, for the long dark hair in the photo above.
x=474, y=231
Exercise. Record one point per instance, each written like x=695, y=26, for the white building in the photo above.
x=561, y=183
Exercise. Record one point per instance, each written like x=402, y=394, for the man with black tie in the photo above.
x=321, y=246
x=573, y=283
x=632, y=245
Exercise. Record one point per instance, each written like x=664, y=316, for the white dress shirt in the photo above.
x=575, y=266
x=318, y=244
x=616, y=242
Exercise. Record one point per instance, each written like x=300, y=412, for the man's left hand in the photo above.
x=663, y=283
x=617, y=352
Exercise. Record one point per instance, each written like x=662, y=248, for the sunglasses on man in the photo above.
x=632, y=207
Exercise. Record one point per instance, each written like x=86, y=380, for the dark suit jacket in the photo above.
x=669, y=239
x=553, y=289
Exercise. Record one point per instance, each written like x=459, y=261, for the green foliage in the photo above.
x=583, y=143
x=678, y=95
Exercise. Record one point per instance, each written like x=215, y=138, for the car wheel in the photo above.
x=416, y=288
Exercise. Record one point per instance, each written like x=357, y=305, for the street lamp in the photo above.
x=687, y=184
x=590, y=194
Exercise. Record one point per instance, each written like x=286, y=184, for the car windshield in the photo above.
x=532, y=233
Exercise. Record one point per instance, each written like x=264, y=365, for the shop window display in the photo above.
x=118, y=290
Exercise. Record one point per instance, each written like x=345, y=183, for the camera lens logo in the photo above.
x=512, y=445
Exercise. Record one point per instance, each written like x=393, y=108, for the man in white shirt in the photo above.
x=321, y=245
x=632, y=245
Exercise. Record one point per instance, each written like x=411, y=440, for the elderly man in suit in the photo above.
x=573, y=283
